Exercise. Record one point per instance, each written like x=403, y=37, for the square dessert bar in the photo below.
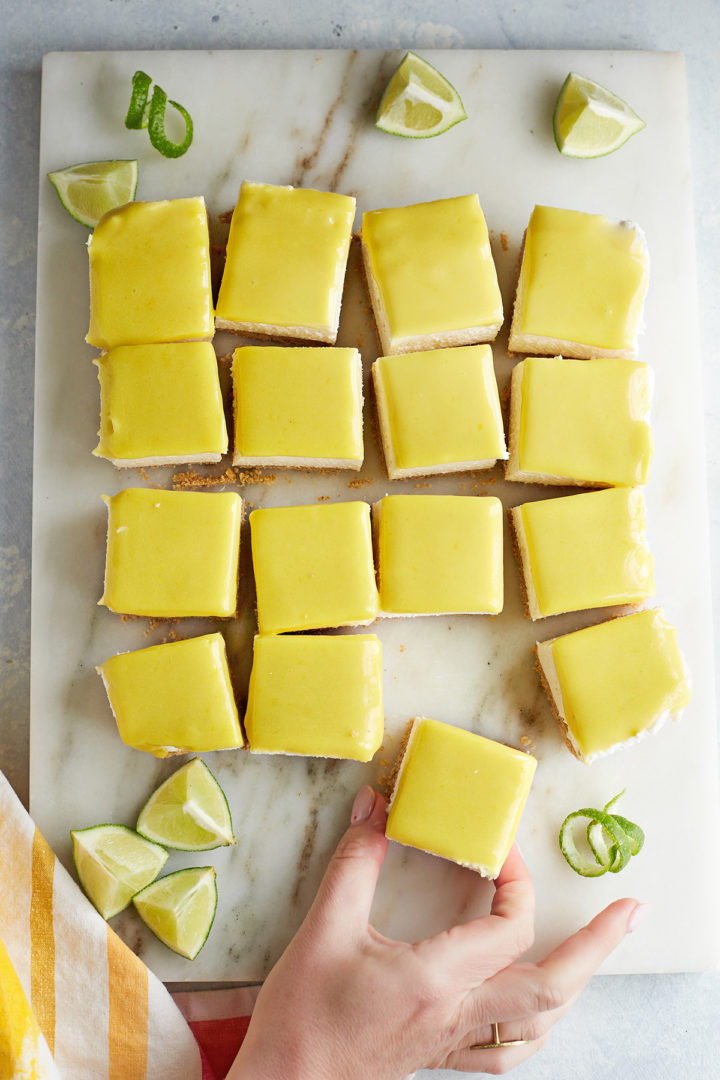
x=572, y=422
x=431, y=275
x=582, y=286
x=439, y=411
x=313, y=566
x=175, y=698
x=459, y=795
x=285, y=265
x=316, y=694
x=172, y=553
x=150, y=274
x=583, y=551
x=160, y=405
x=613, y=683
x=298, y=407
x=439, y=554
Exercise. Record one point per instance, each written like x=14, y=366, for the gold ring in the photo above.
x=497, y=1041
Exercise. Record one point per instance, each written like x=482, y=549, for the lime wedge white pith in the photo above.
x=179, y=908
x=188, y=811
x=89, y=190
x=590, y=121
x=113, y=863
x=419, y=102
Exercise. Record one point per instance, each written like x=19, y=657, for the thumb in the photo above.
x=348, y=886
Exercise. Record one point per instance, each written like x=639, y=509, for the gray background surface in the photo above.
x=628, y=1027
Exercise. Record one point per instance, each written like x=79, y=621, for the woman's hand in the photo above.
x=345, y=1003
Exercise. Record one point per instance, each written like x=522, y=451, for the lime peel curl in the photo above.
x=140, y=115
x=612, y=840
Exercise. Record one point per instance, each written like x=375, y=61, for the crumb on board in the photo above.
x=422, y=484
x=225, y=217
x=403, y=648
x=505, y=243
x=323, y=498
x=359, y=481
x=192, y=479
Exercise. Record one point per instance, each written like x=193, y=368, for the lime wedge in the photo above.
x=179, y=908
x=88, y=191
x=113, y=863
x=419, y=102
x=590, y=121
x=188, y=811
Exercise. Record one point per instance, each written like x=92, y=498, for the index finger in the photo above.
x=482, y=946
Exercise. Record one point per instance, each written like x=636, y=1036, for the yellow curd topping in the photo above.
x=460, y=795
x=286, y=257
x=174, y=698
x=619, y=679
x=586, y=421
x=172, y=553
x=297, y=403
x=313, y=566
x=442, y=406
x=440, y=553
x=588, y=551
x=433, y=266
x=583, y=279
x=150, y=274
x=160, y=401
x=316, y=695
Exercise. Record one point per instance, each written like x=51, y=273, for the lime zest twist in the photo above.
x=137, y=114
x=152, y=116
x=611, y=838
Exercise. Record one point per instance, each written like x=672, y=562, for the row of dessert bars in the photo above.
x=439, y=412
x=430, y=271
x=175, y=554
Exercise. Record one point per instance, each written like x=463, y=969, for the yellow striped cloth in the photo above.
x=75, y=1002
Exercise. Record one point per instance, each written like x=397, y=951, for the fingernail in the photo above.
x=363, y=805
x=640, y=913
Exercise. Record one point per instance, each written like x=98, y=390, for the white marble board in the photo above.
x=306, y=118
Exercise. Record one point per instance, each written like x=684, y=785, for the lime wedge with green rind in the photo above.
x=188, y=811
x=419, y=102
x=113, y=863
x=90, y=190
x=591, y=121
x=179, y=908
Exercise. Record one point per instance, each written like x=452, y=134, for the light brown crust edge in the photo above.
x=518, y=558
x=560, y=722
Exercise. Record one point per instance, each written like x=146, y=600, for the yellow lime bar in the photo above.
x=298, y=407
x=313, y=566
x=150, y=274
x=160, y=404
x=431, y=275
x=172, y=553
x=573, y=422
x=175, y=698
x=584, y=551
x=316, y=694
x=439, y=411
x=439, y=554
x=459, y=795
x=582, y=285
x=285, y=264
x=612, y=683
